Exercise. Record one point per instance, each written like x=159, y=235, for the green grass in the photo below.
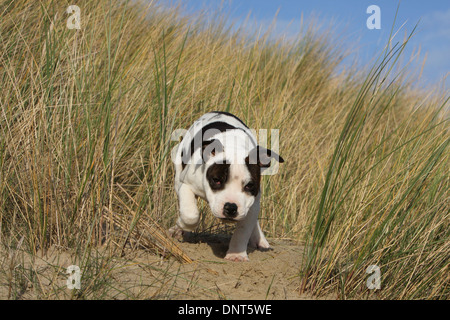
x=86, y=118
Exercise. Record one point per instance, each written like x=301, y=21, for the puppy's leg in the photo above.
x=237, y=250
x=189, y=213
x=257, y=239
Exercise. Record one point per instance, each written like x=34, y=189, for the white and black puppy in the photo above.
x=219, y=160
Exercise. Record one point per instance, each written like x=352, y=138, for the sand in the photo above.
x=141, y=274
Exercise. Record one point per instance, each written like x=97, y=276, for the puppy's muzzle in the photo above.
x=230, y=210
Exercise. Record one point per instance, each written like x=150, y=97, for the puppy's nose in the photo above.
x=230, y=210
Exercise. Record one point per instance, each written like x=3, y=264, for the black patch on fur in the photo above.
x=230, y=115
x=253, y=186
x=262, y=156
x=202, y=138
x=183, y=165
x=217, y=176
x=211, y=147
x=208, y=131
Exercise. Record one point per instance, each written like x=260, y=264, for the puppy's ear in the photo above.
x=210, y=148
x=262, y=157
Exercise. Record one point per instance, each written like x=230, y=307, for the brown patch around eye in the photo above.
x=217, y=176
x=253, y=186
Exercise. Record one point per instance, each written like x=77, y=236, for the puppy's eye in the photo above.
x=249, y=186
x=216, y=181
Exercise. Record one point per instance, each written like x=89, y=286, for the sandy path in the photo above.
x=141, y=274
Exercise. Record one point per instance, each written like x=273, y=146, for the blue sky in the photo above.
x=347, y=20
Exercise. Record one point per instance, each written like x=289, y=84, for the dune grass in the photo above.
x=86, y=118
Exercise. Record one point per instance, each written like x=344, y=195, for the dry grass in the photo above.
x=86, y=118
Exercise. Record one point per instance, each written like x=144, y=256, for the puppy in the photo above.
x=220, y=161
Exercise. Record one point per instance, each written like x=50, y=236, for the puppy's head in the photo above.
x=232, y=187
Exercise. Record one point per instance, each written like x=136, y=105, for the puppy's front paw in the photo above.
x=237, y=257
x=176, y=232
x=260, y=244
x=263, y=245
